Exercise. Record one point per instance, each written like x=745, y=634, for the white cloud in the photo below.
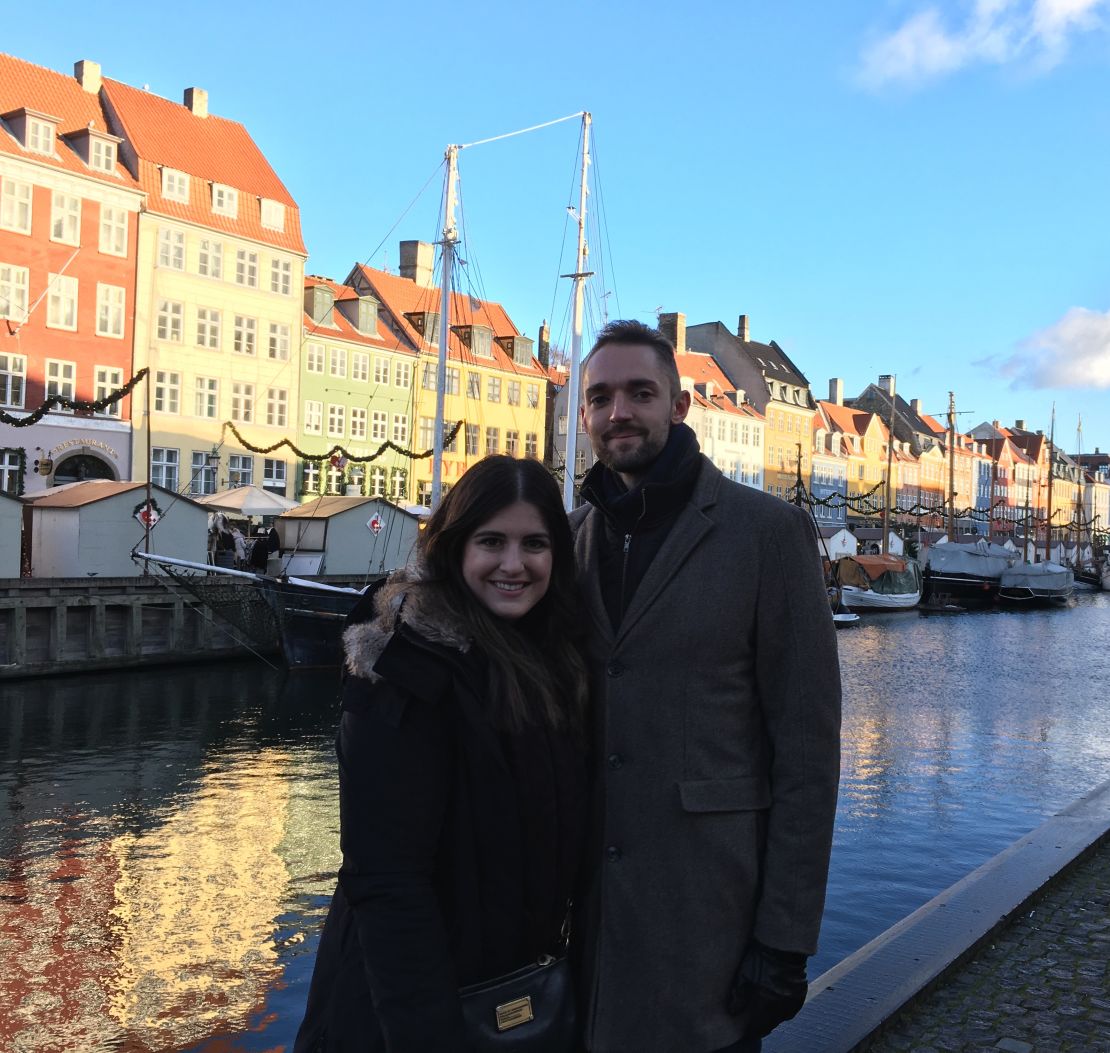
x=995, y=32
x=1072, y=353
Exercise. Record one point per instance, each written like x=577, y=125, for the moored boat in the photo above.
x=966, y=573
x=1037, y=585
x=878, y=583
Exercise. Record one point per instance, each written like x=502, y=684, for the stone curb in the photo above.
x=851, y=1002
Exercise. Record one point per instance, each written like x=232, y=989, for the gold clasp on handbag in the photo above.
x=513, y=1014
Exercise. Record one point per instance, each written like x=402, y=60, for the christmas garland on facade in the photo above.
x=341, y=450
x=61, y=401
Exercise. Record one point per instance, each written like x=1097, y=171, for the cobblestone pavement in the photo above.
x=1041, y=985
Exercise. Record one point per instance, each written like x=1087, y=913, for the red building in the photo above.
x=68, y=237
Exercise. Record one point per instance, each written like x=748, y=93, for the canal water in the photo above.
x=168, y=837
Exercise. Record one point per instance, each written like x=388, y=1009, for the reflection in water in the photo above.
x=168, y=839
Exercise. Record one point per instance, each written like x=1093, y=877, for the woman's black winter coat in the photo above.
x=432, y=888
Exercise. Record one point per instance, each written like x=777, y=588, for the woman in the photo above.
x=461, y=770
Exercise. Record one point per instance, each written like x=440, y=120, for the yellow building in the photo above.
x=218, y=297
x=495, y=389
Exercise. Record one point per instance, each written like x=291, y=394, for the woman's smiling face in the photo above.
x=507, y=561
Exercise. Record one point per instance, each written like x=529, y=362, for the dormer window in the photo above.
x=481, y=341
x=175, y=185
x=102, y=154
x=40, y=136
x=367, y=315
x=273, y=214
x=225, y=200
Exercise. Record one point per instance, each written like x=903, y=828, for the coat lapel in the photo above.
x=587, y=547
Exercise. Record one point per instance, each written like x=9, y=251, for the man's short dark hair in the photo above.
x=629, y=331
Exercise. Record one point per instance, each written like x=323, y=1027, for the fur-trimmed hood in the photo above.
x=422, y=610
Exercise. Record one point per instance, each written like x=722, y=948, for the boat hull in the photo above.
x=1010, y=596
x=963, y=589
x=856, y=599
x=311, y=623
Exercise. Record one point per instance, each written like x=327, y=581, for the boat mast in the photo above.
x=951, y=466
x=580, y=275
x=450, y=238
x=1048, y=525
x=889, y=458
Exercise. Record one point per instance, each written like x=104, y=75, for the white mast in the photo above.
x=450, y=237
x=580, y=276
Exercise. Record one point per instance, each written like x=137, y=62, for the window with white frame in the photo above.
x=427, y=433
x=208, y=328
x=473, y=385
x=377, y=481
x=61, y=302
x=111, y=302
x=207, y=397
x=313, y=417
x=335, y=479
x=210, y=262
x=246, y=268
x=561, y=425
x=512, y=443
x=113, y=230
x=15, y=205
x=277, y=403
x=273, y=214
x=533, y=392
x=65, y=218
x=225, y=200
x=377, y=426
x=171, y=249
x=106, y=380
x=168, y=326
x=402, y=374
x=399, y=484
x=175, y=185
x=203, y=477
x=11, y=471
x=167, y=391
x=531, y=444
x=493, y=440
x=164, y=466
x=400, y=428
x=451, y=387
x=336, y=418
x=314, y=358
x=424, y=492
x=245, y=334
x=281, y=277
x=13, y=380
x=242, y=402
x=358, y=423
x=13, y=292
x=279, y=341
x=472, y=439
x=450, y=444
x=40, y=136
x=273, y=475
x=102, y=154
x=381, y=370
x=240, y=470
x=493, y=390
x=514, y=392
x=310, y=477
x=360, y=366
x=429, y=375
x=337, y=362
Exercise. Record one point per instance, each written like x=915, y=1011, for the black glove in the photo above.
x=769, y=987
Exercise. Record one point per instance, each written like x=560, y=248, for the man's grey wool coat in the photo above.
x=718, y=702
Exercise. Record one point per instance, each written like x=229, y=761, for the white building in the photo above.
x=11, y=534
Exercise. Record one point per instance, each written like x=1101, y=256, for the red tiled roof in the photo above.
x=932, y=424
x=212, y=150
x=402, y=296
x=342, y=328
x=23, y=84
x=701, y=368
x=844, y=418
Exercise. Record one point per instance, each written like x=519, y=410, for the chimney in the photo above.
x=543, y=345
x=417, y=262
x=1019, y=425
x=196, y=101
x=673, y=326
x=836, y=391
x=742, y=328
x=87, y=74
x=886, y=382
x=915, y=405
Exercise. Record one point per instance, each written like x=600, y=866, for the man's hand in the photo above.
x=769, y=987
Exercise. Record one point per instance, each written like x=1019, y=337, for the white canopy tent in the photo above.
x=247, y=501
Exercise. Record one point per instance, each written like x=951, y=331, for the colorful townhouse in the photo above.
x=69, y=217
x=218, y=316
x=356, y=385
x=829, y=475
x=866, y=442
x=495, y=398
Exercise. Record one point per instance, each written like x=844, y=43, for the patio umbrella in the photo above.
x=247, y=501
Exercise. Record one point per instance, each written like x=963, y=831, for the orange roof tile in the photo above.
x=23, y=84
x=211, y=149
x=844, y=418
x=342, y=328
x=932, y=424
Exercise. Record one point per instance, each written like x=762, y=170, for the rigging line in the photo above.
x=408, y=209
x=522, y=131
x=574, y=176
x=604, y=211
x=49, y=285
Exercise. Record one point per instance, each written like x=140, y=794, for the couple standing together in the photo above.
x=637, y=711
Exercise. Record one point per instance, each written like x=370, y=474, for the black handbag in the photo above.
x=531, y=1010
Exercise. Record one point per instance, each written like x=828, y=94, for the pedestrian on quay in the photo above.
x=462, y=776
x=716, y=702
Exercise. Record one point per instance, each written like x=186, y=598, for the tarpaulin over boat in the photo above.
x=1038, y=576
x=981, y=560
x=883, y=574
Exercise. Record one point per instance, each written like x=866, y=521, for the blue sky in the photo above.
x=902, y=186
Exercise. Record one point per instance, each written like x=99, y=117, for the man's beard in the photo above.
x=635, y=460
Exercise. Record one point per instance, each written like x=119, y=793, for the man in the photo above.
x=717, y=702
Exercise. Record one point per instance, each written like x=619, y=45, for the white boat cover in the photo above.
x=1040, y=577
x=983, y=559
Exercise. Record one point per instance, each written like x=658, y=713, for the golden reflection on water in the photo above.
x=155, y=939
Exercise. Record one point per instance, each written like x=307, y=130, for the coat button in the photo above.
x=613, y=853
x=615, y=761
x=615, y=668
